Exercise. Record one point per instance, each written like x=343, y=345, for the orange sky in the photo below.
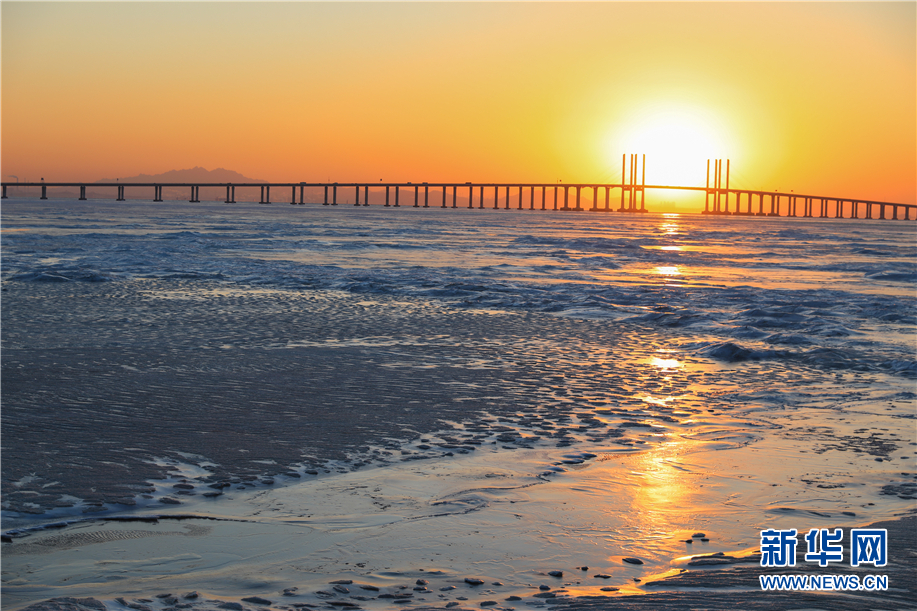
x=816, y=97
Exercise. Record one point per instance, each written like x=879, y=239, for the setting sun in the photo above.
x=677, y=142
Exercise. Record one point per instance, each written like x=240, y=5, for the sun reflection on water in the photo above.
x=667, y=270
x=665, y=363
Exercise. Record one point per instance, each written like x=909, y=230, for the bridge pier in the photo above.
x=4, y=192
x=506, y=205
x=227, y=195
x=265, y=191
x=444, y=196
x=496, y=198
x=397, y=195
x=532, y=197
x=386, y=196
x=426, y=195
x=520, y=197
x=455, y=195
x=82, y=193
x=334, y=194
x=302, y=200
x=293, y=196
x=44, y=192
x=357, y=197
x=566, y=198
x=578, y=198
x=416, y=196
x=543, y=189
x=365, y=195
x=480, y=197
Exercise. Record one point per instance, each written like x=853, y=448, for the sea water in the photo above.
x=706, y=374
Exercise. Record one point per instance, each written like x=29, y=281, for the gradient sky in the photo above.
x=820, y=98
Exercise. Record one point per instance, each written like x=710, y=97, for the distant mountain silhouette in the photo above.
x=196, y=174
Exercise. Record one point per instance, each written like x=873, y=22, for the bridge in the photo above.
x=540, y=196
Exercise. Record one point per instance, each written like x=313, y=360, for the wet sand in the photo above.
x=310, y=437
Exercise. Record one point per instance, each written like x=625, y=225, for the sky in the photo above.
x=818, y=98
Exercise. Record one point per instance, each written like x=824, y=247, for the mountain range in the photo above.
x=195, y=174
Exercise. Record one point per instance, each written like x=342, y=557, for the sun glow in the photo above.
x=677, y=142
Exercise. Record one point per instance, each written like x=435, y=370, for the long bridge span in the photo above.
x=719, y=199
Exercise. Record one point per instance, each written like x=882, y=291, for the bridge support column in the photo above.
x=454, y=195
x=82, y=193
x=365, y=195
x=496, y=198
x=543, y=189
x=882, y=212
x=4, y=192
x=707, y=191
x=227, y=195
x=607, y=195
x=444, y=196
x=506, y=206
x=325, y=203
x=426, y=196
x=416, y=196
x=44, y=192
x=532, y=197
x=520, y=197
x=578, y=207
x=386, y=196
x=302, y=200
x=292, y=196
x=555, y=198
x=481, y=197
x=397, y=195
x=894, y=213
x=357, y=197
x=334, y=194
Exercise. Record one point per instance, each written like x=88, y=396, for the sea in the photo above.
x=262, y=400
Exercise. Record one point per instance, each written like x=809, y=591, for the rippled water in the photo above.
x=534, y=390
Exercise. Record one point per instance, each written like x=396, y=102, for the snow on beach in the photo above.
x=386, y=396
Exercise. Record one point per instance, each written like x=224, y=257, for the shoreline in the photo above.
x=731, y=582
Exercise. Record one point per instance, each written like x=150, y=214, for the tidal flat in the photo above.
x=257, y=408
